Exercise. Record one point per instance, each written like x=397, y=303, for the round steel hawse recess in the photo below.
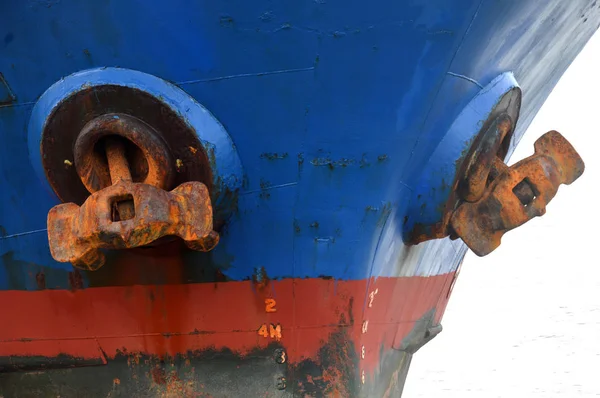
x=199, y=145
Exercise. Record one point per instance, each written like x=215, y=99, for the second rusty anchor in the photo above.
x=517, y=194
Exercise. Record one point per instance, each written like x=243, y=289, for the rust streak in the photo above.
x=40, y=280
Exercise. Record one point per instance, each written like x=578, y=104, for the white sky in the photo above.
x=525, y=320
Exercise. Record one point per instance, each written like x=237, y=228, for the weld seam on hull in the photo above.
x=275, y=72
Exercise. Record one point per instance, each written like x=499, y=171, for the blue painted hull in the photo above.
x=334, y=107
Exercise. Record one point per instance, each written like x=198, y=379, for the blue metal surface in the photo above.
x=335, y=109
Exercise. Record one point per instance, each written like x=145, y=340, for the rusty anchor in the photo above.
x=515, y=194
x=120, y=213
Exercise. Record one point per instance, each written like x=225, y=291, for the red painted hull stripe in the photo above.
x=175, y=319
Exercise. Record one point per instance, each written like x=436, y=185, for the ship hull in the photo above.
x=212, y=339
x=329, y=113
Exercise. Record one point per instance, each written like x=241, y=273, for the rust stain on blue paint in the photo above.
x=226, y=20
x=273, y=155
x=326, y=161
x=6, y=94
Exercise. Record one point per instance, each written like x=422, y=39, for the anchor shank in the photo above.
x=119, y=171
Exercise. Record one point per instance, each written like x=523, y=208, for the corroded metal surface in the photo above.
x=152, y=162
x=70, y=117
x=518, y=194
x=487, y=198
x=76, y=234
x=119, y=171
x=475, y=180
x=120, y=213
x=460, y=167
x=330, y=344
